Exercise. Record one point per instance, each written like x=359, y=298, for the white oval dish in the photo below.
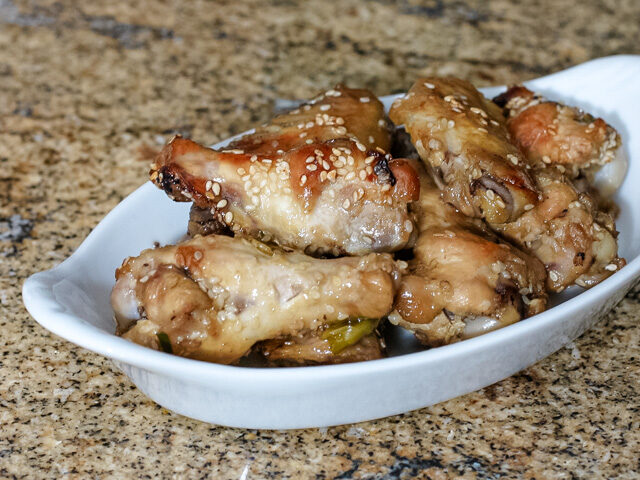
x=72, y=301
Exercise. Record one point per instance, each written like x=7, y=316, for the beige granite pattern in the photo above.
x=89, y=90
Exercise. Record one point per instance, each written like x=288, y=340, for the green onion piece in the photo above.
x=344, y=334
x=165, y=343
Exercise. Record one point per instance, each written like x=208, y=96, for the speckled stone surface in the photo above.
x=88, y=93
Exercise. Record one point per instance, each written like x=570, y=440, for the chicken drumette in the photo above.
x=318, y=179
x=214, y=297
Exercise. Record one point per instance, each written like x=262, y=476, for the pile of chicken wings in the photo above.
x=314, y=232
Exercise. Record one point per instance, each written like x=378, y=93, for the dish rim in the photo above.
x=40, y=303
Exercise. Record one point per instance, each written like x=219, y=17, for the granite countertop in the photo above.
x=88, y=94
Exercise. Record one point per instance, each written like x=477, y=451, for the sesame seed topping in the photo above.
x=612, y=267
x=553, y=276
x=364, y=99
x=332, y=175
x=311, y=167
x=309, y=141
x=310, y=159
x=371, y=139
x=346, y=204
x=429, y=85
x=386, y=187
x=408, y=226
x=207, y=186
x=361, y=147
x=228, y=217
x=451, y=124
x=303, y=134
x=325, y=107
x=362, y=174
x=341, y=130
x=241, y=171
x=197, y=255
x=303, y=180
x=326, y=165
x=222, y=203
x=369, y=159
x=323, y=176
x=490, y=194
x=528, y=207
x=340, y=121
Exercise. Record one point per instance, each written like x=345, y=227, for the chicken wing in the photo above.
x=463, y=280
x=461, y=136
x=317, y=179
x=562, y=227
x=553, y=134
x=191, y=300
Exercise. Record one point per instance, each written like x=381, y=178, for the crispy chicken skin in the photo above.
x=317, y=179
x=216, y=296
x=550, y=133
x=463, y=280
x=461, y=137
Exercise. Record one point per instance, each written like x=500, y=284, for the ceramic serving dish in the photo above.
x=72, y=301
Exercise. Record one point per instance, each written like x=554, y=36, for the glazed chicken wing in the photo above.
x=553, y=134
x=212, y=298
x=563, y=227
x=461, y=137
x=463, y=280
x=317, y=179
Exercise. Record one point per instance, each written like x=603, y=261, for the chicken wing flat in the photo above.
x=553, y=134
x=317, y=179
x=463, y=280
x=190, y=299
x=461, y=136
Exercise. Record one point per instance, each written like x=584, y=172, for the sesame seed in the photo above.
x=361, y=147
x=323, y=176
x=355, y=196
x=546, y=159
x=228, y=217
x=611, y=267
x=553, y=276
x=326, y=165
x=490, y=194
x=325, y=107
x=429, y=85
x=513, y=159
x=241, y=171
x=528, y=207
x=340, y=121
x=342, y=171
x=207, y=186
x=197, y=255
x=346, y=204
x=371, y=139
x=309, y=141
x=309, y=124
x=434, y=144
x=386, y=187
x=367, y=239
x=311, y=167
x=303, y=134
x=451, y=124
x=253, y=158
x=362, y=174
x=144, y=279
x=341, y=130
x=364, y=99
x=331, y=175
x=222, y=203
x=369, y=160
x=408, y=226
x=350, y=176
x=303, y=180
x=310, y=159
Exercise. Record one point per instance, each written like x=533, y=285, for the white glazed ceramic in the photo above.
x=72, y=301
